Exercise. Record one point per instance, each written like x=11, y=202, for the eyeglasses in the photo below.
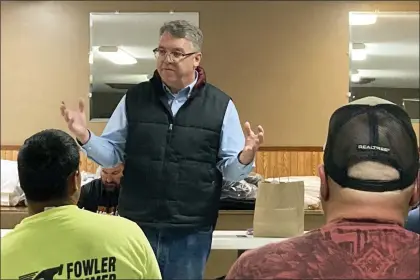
x=172, y=56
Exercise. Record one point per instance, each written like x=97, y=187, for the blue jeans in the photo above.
x=181, y=253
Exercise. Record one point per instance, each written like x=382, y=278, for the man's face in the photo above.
x=177, y=59
x=111, y=177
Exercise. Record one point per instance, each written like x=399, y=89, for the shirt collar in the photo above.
x=187, y=89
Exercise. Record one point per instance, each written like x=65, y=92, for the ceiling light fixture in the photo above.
x=358, y=52
x=358, y=55
x=362, y=19
x=355, y=78
x=116, y=55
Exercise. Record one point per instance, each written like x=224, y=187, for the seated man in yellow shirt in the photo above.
x=60, y=241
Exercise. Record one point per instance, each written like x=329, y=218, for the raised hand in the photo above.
x=76, y=121
x=252, y=142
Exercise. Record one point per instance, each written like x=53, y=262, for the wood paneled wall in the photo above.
x=270, y=161
x=288, y=161
x=11, y=153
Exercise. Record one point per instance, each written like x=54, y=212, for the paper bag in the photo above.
x=279, y=209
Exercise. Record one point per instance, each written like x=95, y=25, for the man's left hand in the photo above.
x=252, y=143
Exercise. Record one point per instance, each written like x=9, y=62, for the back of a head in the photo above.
x=371, y=152
x=371, y=147
x=45, y=162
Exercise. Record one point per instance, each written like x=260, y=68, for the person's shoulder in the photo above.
x=89, y=193
x=279, y=250
x=410, y=236
x=142, y=87
x=114, y=223
x=141, y=92
x=277, y=259
x=413, y=243
x=212, y=89
x=269, y=260
x=7, y=242
x=122, y=234
x=216, y=90
x=110, y=228
x=93, y=185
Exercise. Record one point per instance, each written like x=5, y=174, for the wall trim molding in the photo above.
x=270, y=161
x=10, y=147
x=291, y=148
x=262, y=149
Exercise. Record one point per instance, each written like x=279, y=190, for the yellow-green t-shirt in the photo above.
x=69, y=243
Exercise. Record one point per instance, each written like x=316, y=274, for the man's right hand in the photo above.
x=76, y=121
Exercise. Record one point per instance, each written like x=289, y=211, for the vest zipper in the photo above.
x=168, y=140
x=169, y=135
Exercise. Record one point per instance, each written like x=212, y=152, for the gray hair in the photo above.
x=184, y=29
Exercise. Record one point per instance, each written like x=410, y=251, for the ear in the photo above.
x=78, y=178
x=197, y=59
x=415, y=198
x=74, y=182
x=324, y=190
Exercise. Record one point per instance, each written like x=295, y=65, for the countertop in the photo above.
x=222, y=212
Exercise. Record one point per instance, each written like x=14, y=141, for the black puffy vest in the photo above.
x=170, y=174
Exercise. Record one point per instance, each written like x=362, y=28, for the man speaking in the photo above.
x=178, y=136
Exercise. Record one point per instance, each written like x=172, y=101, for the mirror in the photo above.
x=121, y=55
x=384, y=58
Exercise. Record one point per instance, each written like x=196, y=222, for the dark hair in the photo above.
x=45, y=162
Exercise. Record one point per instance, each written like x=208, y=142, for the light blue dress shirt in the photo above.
x=108, y=149
x=413, y=220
